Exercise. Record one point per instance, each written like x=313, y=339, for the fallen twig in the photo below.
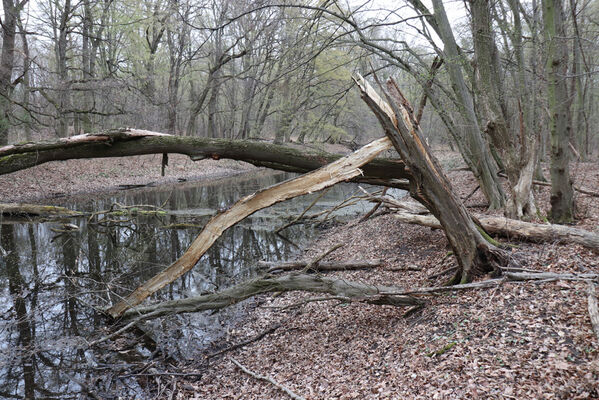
x=246, y=342
x=289, y=392
x=593, y=307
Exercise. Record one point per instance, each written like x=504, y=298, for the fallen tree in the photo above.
x=343, y=169
x=130, y=142
x=413, y=213
x=273, y=266
x=35, y=210
x=339, y=288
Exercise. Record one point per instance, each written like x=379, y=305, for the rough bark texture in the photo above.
x=35, y=210
x=593, y=307
x=517, y=148
x=271, y=266
x=129, y=142
x=430, y=186
x=515, y=229
x=485, y=169
x=7, y=61
x=562, y=199
x=290, y=282
x=343, y=169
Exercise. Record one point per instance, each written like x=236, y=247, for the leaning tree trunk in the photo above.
x=431, y=187
x=485, y=168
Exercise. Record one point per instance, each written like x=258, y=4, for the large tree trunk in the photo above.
x=517, y=147
x=485, y=168
x=430, y=186
x=129, y=142
x=7, y=60
x=562, y=198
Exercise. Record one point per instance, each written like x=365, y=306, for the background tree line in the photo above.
x=508, y=83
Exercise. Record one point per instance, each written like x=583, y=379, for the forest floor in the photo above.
x=516, y=341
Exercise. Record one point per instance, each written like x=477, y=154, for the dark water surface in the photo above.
x=53, y=280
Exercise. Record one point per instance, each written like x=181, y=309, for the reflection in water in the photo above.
x=52, y=280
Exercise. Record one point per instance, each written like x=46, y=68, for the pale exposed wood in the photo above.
x=430, y=186
x=271, y=266
x=593, y=307
x=548, y=184
x=543, y=232
x=343, y=169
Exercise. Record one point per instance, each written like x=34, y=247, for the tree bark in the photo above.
x=12, y=10
x=345, y=290
x=271, y=266
x=517, y=147
x=35, y=210
x=430, y=186
x=562, y=198
x=130, y=142
x=485, y=168
x=515, y=229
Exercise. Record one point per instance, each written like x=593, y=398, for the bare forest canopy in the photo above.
x=282, y=71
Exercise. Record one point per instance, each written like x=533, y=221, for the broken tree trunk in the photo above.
x=343, y=169
x=131, y=142
x=271, y=266
x=340, y=288
x=430, y=186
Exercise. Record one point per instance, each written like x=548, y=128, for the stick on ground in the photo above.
x=289, y=392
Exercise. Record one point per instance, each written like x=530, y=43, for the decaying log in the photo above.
x=543, y=232
x=271, y=266
x=35, y=210
x=343, y=169
x=131, y=142
x=351, y=291
x=593, y=307
x=511, y=228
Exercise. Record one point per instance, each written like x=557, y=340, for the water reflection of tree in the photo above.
x=19, y=292
x=53, y=284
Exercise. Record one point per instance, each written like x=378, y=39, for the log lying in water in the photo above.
x=340, y=288
x=271, y=266
x=35, y=210
x=343, y=169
